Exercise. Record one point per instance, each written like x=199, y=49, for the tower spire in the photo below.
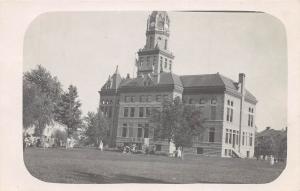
x=155, y=56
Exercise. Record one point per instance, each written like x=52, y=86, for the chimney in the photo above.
x=242, y=77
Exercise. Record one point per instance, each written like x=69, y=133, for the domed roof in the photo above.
x=158, y=20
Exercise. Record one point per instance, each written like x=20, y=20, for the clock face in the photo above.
x=152, y=24
x=166, y=26
x=160, y=25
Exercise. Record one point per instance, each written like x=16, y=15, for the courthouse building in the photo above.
x=127, y=102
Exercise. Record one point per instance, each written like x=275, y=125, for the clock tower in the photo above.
x=155, y=57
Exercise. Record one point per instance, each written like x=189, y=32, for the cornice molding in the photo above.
x=149, y=32
x=143, y=52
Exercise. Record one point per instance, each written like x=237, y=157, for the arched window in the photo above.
x=166, y=44
x=151, y=42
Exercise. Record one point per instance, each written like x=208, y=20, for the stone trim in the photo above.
x=145, y=89
x=143, y=52
x=148, y=32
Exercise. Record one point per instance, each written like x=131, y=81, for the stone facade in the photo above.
x=229, y=109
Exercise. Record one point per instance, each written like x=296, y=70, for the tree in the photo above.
x=96, y=127
x=68, y=110
x=271, y=142
x=41, y=93
x=177, y=122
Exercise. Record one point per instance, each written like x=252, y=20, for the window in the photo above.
x=142, y=98
x=127, y=98
x=141, y=112
x=124, y=130
x=105, y=111
x=158, y=148
x=226, y=136
x=166, y=63
x=251, y=139
x=148, y=60
x=213, y=112
x=237, y=137
x=211, y=137
x=151, y=42
x=166, y=44
x=161, y=61
x=230, y=135
x=213, y=101
x=243, y=139
x=170, y=65
x=140, y=132
x=125, y=111
x=154, y=60
x=132, y=98
x=250, y=117
x=148, y=98
x=132, y=112
x=229, y=113
x=199, y=150
x=139, y=146
x=148, y=112
x=202, y=101
x=146, y=131
x=109, y=112
x=158, y=98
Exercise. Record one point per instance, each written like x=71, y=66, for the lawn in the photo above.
x=93, y=166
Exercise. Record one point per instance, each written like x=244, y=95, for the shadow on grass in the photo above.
x=118, y=178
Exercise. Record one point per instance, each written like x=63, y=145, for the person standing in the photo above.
x=101, y=146
x=179, y=153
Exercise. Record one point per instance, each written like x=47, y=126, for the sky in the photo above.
x=84, y=48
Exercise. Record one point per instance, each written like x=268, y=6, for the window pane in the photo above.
x=132, y=112
x=141, y=112
x=126, y=112
x=213, y=112
x=147, y=111
x=146, y=132
x=124, y=132
x=139, y=132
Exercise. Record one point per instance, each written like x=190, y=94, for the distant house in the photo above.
x=55, y=134
x=271, y=142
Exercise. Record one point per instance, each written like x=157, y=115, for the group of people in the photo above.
x=269, y=158
x=177, y=153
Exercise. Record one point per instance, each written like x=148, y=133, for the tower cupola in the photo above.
x=155, y=57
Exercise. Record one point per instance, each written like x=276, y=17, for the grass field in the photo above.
x=93, y=166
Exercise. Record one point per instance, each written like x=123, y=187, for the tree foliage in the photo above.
x=41, y=94
x=178, y=122
x=96, y=128
x=271, y=142
x=45, y=101
x=68, y=110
